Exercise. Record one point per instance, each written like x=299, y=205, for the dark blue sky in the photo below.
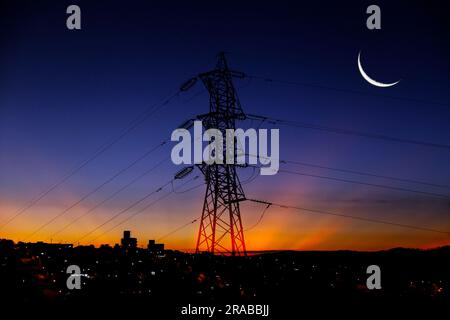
x=64, y=93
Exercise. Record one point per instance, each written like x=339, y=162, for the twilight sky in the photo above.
x=65, y=93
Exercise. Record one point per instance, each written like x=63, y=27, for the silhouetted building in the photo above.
x=156, y=248
x=128, y=242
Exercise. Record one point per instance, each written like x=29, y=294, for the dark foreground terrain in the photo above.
x=34, y=275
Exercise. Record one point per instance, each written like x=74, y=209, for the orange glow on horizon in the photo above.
x=281, y=229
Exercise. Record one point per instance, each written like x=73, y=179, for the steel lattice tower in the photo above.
x=221, y=225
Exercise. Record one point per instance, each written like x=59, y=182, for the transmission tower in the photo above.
x=221, y=225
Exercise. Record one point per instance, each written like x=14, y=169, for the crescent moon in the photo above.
x=369, y=79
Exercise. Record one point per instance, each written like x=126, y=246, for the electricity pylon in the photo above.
x=221, y=225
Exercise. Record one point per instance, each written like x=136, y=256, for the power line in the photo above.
x=306, y=164
x=368, y=174
x=260, y=218
x=306, y=84
x=133, y=124
x=177, y=229
x=126, y=209
x=350, y=216
x=438, y=195
x=142, y=209
x=189, y=189
x=195, y=95
x=118, y=173
x=346, y=131
x=110, y=197
x=117, y=192
x=133, y=215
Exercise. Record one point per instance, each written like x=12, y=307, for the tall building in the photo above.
x=128, y=242
x=156, y=248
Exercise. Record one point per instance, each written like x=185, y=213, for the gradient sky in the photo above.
x=65, y=93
